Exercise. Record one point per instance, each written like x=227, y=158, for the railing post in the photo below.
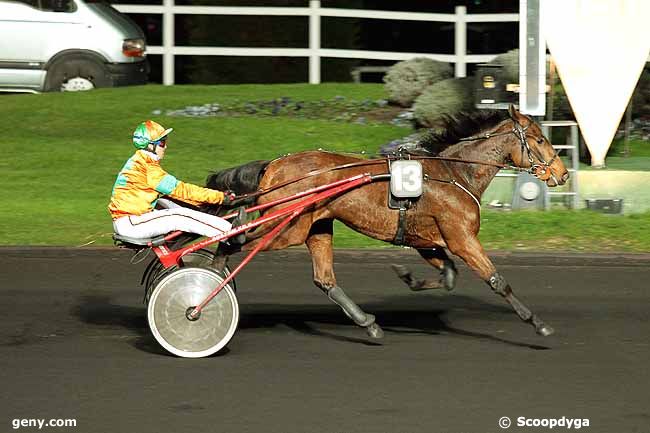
x=575, y=164
x=314, y=41
x=168, y=42
x=460, y=39
x=547, y=197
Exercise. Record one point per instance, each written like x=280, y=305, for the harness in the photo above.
x=402, y=205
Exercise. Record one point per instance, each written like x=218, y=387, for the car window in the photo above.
x=32, y=3
x=57, y=5
x=50, y=5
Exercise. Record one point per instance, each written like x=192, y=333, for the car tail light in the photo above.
x=133, y=47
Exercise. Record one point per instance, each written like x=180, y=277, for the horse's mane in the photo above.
x=453, y=128
x=241, y=179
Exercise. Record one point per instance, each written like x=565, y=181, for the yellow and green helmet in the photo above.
x=149, y=132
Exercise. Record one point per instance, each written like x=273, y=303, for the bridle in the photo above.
x=538, y=170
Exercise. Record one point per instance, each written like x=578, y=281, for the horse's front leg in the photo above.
x=319, y=243
x=436, y=257
x=471, y=251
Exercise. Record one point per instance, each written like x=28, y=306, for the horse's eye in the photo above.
x=540, y=140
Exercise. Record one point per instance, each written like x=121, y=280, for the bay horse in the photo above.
x=458, y=165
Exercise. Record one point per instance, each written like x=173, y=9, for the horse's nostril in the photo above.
x=565, y=177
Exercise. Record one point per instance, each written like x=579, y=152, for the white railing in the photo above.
x=168, y=49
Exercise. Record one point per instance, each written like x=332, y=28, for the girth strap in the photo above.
x=401, y=227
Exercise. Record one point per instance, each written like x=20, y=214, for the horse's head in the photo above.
x=534, y=151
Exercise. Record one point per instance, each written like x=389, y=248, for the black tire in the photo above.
x=68, y=67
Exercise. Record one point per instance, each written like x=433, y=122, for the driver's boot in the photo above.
x=239, y=220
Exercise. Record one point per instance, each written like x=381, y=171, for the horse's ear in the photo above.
x=512, y=111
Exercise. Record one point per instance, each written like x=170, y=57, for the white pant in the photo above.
x=160, y=222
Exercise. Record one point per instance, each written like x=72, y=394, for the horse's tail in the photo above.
x=241, y=180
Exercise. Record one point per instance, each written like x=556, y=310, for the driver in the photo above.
x=142, y=181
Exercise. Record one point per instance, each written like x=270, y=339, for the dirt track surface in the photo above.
x=74, y=343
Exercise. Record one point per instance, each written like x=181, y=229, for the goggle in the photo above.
x=160, y=143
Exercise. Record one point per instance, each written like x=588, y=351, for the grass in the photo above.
x=61, y=153
x=637, y=148
x=637, y=160
x=583, y=231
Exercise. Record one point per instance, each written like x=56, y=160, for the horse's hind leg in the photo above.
x=319, y=242
x=436, y=257
x=471, y=251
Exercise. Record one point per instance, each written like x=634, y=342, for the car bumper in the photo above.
x=129, y=74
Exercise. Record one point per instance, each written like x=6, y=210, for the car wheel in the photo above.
x=76, y=74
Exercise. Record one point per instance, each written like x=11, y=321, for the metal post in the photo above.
x=572, y=145
x=575, y=163
x=532, y=60
x=314, y=41
x=168, y=42
x=461, y=41
x=547, y=196
x=551, y=96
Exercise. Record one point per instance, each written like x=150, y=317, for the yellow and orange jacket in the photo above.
x=142, y=181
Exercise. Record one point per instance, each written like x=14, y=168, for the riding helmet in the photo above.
x=149, y=132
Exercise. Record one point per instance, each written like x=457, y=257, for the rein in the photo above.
x=519, y=131
x=311, y=174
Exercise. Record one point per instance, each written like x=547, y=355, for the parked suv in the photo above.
x=65, y=45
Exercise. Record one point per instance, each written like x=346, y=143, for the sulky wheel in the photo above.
x=198, y=259
x=177, y=294
x=203, y=259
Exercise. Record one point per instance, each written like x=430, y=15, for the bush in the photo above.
x=510, y=63
x=641, y=96
x=447, y=97
x=561, y=107
x=510, y=74
x=406, y=80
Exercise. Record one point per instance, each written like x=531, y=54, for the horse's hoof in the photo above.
x=449, y=281
x=449, y=277
x=375, y=331
x=545, y=330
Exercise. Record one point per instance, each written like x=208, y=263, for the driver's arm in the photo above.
x=166, y=184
